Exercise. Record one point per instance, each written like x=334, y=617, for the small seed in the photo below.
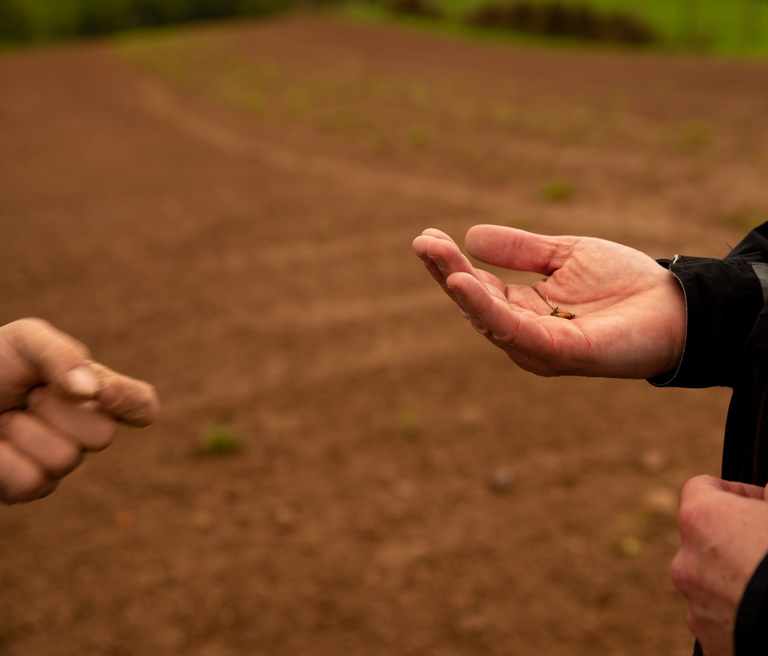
x=557, y=313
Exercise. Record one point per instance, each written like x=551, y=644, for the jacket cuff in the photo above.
x=723, y=299
x=749, y=636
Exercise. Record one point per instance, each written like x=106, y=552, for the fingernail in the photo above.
x=81, y=382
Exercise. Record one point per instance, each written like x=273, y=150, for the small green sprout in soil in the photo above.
x=556, y=190
x=695, y=134
x=628, y=547
x=419, y=137
x=409, y=424
x=220, y=440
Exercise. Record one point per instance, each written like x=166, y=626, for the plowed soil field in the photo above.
x=227, y=211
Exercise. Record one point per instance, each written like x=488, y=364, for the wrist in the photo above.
x=721, y=302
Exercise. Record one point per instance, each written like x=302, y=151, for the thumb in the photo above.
x=46, y=355
x=516, y=249
x=132, y=401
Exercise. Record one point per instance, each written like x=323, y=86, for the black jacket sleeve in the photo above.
x=723, y=300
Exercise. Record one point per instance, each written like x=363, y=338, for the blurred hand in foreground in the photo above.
x=55, y=405
x=629, y=311
x=724, y=529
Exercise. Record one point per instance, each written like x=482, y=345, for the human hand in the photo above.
x=56, y=404
x=724, y=529
x=630, y=311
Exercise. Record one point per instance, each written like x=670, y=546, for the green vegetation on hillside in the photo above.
x=731, y=27
x=728, y=27
x=34, y=21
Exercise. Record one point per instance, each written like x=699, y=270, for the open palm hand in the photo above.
x=629, y=311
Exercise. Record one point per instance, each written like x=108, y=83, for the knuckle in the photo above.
x=52, y=453
x=686, y=516
x=99, y=437
x=31, y=490
x=21, y=480
x=64, y=461
x=691, y=517
x=678, y=573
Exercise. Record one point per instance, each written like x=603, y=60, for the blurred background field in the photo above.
x=342, y=466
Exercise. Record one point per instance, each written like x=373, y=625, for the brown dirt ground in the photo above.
x=227, y=211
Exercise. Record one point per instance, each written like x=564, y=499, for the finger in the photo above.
x=127, y=399
x=85, y=424
x=442, y=256
x=489, y=305
x=517, y=249
x=420, y=248
x=545, y=350
x=704, y=484
x=487, y=310
x=41, y=443
x=440, y=253
x=429, y=235
x=41, y=353
x=448, y=257
x=434, y=233
x=20, y=478
x=742, y=489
